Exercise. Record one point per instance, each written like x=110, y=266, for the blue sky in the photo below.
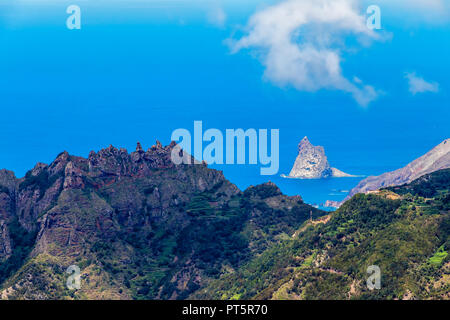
x=138, y=70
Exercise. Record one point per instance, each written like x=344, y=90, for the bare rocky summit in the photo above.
x=312, y=163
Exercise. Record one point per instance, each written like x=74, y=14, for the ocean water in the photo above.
x=312, y=191
x=137, y=73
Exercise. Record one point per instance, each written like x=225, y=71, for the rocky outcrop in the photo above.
x=46, y=197
x=332, y=204
x=8, y=179
x=5, y=242
x=312, y=163
x=436, y=159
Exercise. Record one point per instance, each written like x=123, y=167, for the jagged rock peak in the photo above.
x=312, y=163
x=122, y=152
x=107, y=152
x=63, y=155
x=157, y=146
x=106, y=163
x=272, y=185
x=8, y=179
x=304, y=143
x=38, y=168
x=7, y=174
x=111, y=148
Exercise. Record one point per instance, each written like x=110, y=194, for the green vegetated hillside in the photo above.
x=140, y=227
x=405, y=233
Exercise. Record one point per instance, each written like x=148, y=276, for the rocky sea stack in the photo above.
x=312, y=163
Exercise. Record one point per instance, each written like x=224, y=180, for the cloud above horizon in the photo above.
x=301, y=44
x=420, y=85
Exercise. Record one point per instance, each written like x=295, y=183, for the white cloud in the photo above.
x=419, y=85
x=301, y=43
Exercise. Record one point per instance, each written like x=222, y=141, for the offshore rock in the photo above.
x=312, y=163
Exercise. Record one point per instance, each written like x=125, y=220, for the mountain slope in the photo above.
x=436, y=159
x=137, y=226
x=406, y=235
x=140, y=227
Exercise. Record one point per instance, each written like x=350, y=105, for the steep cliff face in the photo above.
x=436, y=159
x=312, y=163
x=8, y=184
x=5, y=242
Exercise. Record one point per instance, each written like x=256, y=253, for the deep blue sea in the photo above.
x=136, y=73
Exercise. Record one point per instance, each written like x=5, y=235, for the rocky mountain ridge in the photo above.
x=138, y=225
